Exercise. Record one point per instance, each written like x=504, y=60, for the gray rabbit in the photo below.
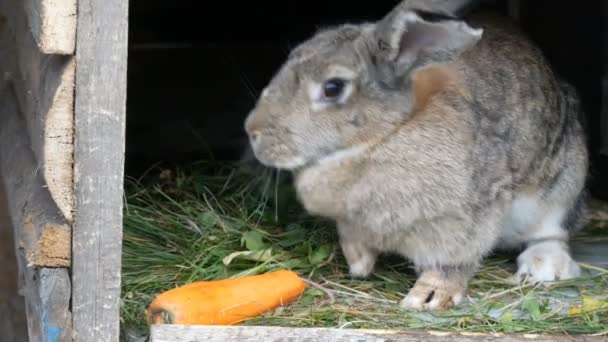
x=434, y=138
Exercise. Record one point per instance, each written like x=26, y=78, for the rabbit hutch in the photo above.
x=126, y=172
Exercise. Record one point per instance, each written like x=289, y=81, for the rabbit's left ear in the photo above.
x=408, y=39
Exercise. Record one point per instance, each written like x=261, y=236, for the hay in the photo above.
x=211, y=221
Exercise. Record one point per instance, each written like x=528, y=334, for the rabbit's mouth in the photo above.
x=298, y=163
x=278, y=156
x=294, y=151
x=292, y=164
x=284, y=164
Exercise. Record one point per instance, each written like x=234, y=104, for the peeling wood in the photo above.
x=45, y=245
x=44, y=85
x=99, y=142
x=177, y=333
x=52, y=24
x=36, y=133
x=47, y=291
x=54, y=247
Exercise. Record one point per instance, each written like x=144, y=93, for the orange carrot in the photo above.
x=227, y=301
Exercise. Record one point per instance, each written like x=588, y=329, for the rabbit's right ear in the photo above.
x=446, y=7
x=408, y=39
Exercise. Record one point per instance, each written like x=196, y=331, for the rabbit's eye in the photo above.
x=333, y=88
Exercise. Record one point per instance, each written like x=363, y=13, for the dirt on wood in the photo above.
x=54, y=247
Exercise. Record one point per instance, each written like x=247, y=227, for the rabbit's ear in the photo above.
x=408, y=39
x=449, y=7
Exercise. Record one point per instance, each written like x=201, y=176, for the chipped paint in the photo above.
x=51, y=332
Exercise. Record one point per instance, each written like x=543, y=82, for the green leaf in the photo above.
x=293, y=237
x=315, y=292
x=307, y=300
x=296, y=263
x=253, y=240
x=319, y=255
x=393, y=287
x=507, y=318
x=532, y=306
x=207, y=219
x=261, y=255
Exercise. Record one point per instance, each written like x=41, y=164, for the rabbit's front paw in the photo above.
x=433, y=291
x=360, y=258
x=546, y=262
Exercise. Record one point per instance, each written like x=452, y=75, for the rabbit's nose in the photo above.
x=255, y=124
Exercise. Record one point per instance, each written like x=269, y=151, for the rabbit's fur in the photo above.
x=446, y=142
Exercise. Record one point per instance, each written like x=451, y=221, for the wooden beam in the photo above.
x=44, y=86
x=177, y=333
x=47, y=290
x=12, y=306
x=604, y=113
x=52, y=24
x=98, y=163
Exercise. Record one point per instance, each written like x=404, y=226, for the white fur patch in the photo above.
x=411, y=301
x=290, y=164
x=525, y=211
x=265, y=92
x=315, y=93
x=529, y=219
x=551, y=226
x=469, y=30
x=546, y=262
x=362, y=267
x=411, y=17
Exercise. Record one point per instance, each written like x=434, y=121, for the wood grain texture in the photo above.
x=177, y=333
x=47, y=291
x=44, y=86
x=52, y=24
x=98, y=168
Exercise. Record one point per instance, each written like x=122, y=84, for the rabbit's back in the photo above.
x=524, y=123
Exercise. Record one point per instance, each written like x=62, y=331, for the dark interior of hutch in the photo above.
x=196, y=67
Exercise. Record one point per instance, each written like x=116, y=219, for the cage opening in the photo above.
x=195, y=71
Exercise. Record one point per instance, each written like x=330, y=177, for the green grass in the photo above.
x=213, y=221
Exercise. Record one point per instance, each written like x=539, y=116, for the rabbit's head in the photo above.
x=349, y=86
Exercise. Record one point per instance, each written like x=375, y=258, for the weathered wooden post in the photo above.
x=62, y=113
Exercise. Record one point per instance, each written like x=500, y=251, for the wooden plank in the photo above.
x=53, y=25
x=98, y=163
x=12, y=305
x=45, y=90
x=604, y=113
x=47, y=290
x=52, y=240
x=177, y=333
